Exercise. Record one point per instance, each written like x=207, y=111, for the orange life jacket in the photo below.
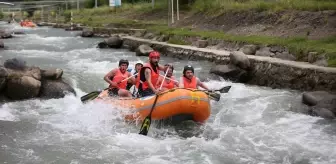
x=118, y=77
x=190, y=84
x=154, y=76
x=169, y=84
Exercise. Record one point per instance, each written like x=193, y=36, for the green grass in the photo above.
x=177, y=41
x=296, y=45
x=221, y=6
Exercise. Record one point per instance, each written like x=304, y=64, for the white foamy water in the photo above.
x=250, y=124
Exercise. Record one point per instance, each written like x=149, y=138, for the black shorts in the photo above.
x=147, y=92
x=113, y=92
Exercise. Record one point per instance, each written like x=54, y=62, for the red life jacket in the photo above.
x=118, y=77
x=190, y=84
x=154, y=76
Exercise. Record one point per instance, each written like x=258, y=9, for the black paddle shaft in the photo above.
x=148, y=120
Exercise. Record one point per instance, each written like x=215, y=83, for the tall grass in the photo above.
x=221, y=6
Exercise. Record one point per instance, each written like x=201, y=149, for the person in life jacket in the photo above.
x=117, y=80
x=149, y=74
x=170, y=81
x=189, y=80
x=137, y=69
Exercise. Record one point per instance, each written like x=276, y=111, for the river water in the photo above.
x=249, y=124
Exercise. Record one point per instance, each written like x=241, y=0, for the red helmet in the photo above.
x=154, y=54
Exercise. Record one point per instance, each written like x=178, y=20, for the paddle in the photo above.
x=216, y=96
x=94, y=94
x=148, y=120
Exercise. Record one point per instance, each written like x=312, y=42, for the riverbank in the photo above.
x=264, y=71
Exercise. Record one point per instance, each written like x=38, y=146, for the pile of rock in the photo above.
x=18, y=82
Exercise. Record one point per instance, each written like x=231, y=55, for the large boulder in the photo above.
x=18, y=88
x=52, y=74
x=265, y=51
x=143, y=50
x=231, y=72
x=3, y=76
x=114, y=42
x=320, y=101
x=5, y=34
x=15, y=64
x=102, y=45
x=250, y=49
x=239, y=59
x=323, y=112
x=201, y=43
x=285, y=56
x=55, y=89
x=2, y=45
x=87, y=33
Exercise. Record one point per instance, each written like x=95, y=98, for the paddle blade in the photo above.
x=145, y=126
x=90, y=96
x=224, y=89
x=214, y=96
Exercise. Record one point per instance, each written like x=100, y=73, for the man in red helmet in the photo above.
x=149, y=74
x=117, y=80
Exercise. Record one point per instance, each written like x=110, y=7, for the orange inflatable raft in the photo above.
x=27, y=24
x=179, y=104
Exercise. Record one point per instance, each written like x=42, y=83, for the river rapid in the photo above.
x=249, y=125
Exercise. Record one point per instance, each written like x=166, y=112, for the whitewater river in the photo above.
x=250, y=124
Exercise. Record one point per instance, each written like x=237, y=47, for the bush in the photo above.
x=1, y=15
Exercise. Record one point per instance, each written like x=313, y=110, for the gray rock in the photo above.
x=5, y=34
x=323, y=112
x=313, y=98
x=230, y=72
x=285, y=56
x=18, y=32
x=24, y=87
x=239, y=59
x=280, y=49
x=139, y=34
x=15, y=64
x=52, y=74
x=265, y=51
x=114, y=42
x=2, y=45
x=87, y=33
x=320, y=101
x=250, y=49
x=102, y=45
x=312, y=57
x=143, y=50
x=55, y=89
x=149, y=36
x=163, y=38
x=322, y=62
x=201, y=43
